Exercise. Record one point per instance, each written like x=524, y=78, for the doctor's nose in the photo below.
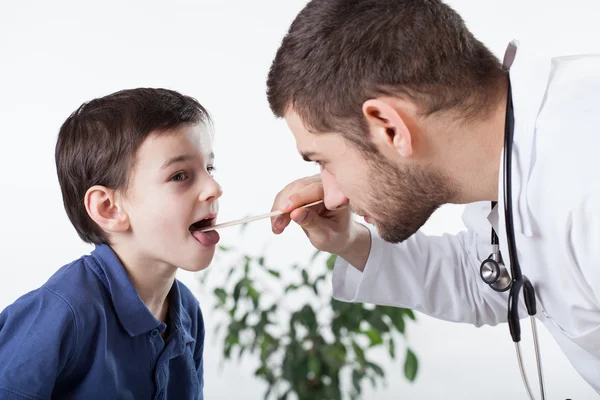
x=210, y=191
x=334, y=198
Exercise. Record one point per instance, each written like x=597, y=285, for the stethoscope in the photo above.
x=493, y=271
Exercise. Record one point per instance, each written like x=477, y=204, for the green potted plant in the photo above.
x=305, y=341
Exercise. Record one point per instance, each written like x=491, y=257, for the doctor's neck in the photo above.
x=470, y=152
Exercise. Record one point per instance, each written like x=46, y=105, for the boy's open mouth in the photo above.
x=203, y=223
x=207, y=238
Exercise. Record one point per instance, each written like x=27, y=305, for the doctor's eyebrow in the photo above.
x=308, y=155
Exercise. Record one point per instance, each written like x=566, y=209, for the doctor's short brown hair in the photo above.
x=97, y=144
x=339, y=53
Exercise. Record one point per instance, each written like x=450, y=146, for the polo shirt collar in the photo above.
x=131, y=311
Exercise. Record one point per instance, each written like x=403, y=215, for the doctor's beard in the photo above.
x=402, y=198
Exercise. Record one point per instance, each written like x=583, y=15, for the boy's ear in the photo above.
x=102, y=206
x=388, y=126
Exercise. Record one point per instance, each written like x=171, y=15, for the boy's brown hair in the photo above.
x=97, y=144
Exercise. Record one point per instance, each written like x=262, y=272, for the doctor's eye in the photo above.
x=178, y=177
x=211, y=170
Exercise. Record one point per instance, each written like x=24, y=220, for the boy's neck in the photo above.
x=152, y=280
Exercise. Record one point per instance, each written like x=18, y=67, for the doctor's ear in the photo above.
x=102, y=206
x=387, y=125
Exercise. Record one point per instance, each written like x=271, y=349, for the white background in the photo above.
x=56, y=54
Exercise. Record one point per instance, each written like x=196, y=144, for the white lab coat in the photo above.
x=556, y=197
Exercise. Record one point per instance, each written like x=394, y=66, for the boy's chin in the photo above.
x=194, y=267
x=196, y=264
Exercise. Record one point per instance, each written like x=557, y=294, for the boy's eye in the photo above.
x=211, y=169
x=180, y=176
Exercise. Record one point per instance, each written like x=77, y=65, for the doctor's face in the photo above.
x=397, y=199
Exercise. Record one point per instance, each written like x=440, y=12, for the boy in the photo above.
x=135, y=170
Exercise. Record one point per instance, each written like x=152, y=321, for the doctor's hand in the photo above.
x=332, y=231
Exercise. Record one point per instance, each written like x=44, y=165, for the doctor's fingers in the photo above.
x=293, y=196
x=282, y=198
x=304, y=195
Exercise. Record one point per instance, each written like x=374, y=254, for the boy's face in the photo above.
x=170, y=188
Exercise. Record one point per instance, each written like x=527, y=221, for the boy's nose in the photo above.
x=211, y=191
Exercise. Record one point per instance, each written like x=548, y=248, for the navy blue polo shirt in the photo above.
x=86, y=334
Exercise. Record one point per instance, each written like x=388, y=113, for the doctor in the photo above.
x=405, y=110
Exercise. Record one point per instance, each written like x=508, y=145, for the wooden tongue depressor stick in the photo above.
x=250, y=219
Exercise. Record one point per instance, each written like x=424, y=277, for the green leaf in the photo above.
x=334, y=355
x=356, y=378
x=224, y=248
x=285, y=395
x=377, y=321
x=374, y=336
x=319, y=278
x=261, y=261
x=230, y=272
x=410, y=365
x=221, y=294
x=271, y=387
x=231, y=340
x=331, y=261
x=314, y=365
x=305, y=276
x=290, y=287
x=242, y=350
x=360, y=354
x=373, y=381
x=238, y=289
x=378, y=370
x=315, y=254
x=398, y=322
x=254, y=295
x=274, y=273
x=307, y=317
x=392, y=348
x=410, y=314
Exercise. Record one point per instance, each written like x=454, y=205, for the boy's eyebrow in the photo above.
x=176, y=159
x=183, y=157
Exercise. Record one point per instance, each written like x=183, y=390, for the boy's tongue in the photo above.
x=209, y=238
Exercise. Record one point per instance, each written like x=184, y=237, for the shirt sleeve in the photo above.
x=436, y=275
x=37, y=338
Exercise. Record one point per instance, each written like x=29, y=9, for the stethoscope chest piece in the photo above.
x=494, y=272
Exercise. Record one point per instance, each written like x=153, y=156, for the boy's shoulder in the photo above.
x=58, y=308
x=76, y=283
